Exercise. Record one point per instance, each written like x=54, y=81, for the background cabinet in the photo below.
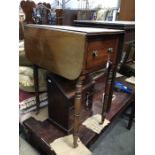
x=127, y=10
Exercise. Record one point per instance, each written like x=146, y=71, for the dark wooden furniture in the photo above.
x=59, y=16
x=127, y=26
x=40, y=13
x=128, y=64
x=41, y=134
x=43, y=10
x=127, y=10
x=72, y=53
x=61, y=93
x=27, y=7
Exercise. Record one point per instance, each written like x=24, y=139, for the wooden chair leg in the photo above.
x=36, y=85
x=131, y=117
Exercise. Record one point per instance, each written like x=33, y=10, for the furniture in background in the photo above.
x=61, y=94
x=71, y=15
x=40, y=13
x=127, y=58
x=127, y=10
x=105, y=14
x=27, y=7
x=24, y=62
x=128, y=64
x=77, y=52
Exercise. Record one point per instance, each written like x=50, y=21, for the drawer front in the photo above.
x=98, y=52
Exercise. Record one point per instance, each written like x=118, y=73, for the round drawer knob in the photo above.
x=110, y=50
x=95, y=53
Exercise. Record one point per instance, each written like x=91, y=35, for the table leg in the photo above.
x=36, y=85
x=77, y=107
x=108, y=93
x=131, y=116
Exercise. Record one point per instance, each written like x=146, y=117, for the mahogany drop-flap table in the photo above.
x=73, y=53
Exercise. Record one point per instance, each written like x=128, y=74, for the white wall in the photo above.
x=76, y=4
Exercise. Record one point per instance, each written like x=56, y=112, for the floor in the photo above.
x=116, y=141
x=25, y=148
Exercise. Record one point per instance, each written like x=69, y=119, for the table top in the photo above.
x=67, y=50
x=121, y=24
x=73, y=29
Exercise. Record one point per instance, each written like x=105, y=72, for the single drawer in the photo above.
x=99, y=50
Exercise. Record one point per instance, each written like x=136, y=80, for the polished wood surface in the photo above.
x=62, y=50
x=36, y=86
x=43, y=133
x=127, y=26
x=101, y=48
x=110, y=24
x=127, y=10
x=77, y=105
x=108, y=91
x=54, y=49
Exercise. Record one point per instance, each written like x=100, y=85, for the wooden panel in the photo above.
x=57, y=51
x=121, y=25
x=61, y=49
x=27, y=7
x=129, y=35
x=127, y=10
x=61, y=101
x=100, y=47
x=59, y=16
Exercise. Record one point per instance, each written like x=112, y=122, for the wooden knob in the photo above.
x=95, y=53
x=110, y=50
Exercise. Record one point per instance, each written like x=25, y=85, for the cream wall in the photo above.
x=94, y=3
x=76, y=4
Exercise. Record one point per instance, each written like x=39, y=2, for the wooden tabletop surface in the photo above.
x=87, y=30
x=122, y=24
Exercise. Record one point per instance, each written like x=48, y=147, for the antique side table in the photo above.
x=73, y=53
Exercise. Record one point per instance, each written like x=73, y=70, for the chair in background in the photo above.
x=128, y=61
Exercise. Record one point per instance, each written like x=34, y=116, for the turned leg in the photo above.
x=77, y=106
x=36, y=85
x=108, y=92
x=131, y=117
